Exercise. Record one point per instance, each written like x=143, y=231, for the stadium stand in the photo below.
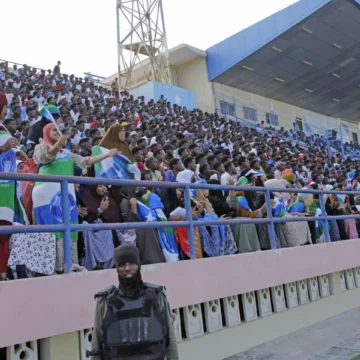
x=59, y=124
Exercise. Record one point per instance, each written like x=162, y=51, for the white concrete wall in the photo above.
x=193, y=76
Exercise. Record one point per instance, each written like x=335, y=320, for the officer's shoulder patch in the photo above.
x=157, y=288
x=106, y=292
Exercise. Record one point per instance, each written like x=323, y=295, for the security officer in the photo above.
x=133, y=321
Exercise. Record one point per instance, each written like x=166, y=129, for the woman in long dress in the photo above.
x=54, y=160
x=216, y=240
x=115, y=139
x=8, y=155
x=30, y=254
x=99, y=245
x=263, y=229
x=245, y=235
x=298, y=233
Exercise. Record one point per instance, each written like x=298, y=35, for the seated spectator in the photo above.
x=138, y=157
x=157, y=173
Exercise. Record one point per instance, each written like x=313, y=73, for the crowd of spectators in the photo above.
x=168, y=143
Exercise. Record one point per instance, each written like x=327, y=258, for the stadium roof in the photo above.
x=307, y=55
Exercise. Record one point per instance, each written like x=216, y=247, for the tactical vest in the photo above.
x=133, y=329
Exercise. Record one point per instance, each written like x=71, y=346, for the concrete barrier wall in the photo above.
x=43, y=307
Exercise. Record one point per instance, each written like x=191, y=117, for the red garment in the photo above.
x=95, y=123
x=182, y=239
x=3, y=101
x=141, y=166
x=27, y=188
x=4, y=248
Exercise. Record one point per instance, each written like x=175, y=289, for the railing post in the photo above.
x=269, y=215
x=191, y=226
x=323, y=213
x=66, y=222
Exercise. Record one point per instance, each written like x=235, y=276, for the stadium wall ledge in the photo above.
x=221, y=306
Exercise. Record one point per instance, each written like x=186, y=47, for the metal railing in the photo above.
x=67, y=227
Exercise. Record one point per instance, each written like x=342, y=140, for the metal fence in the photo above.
x=67, y=227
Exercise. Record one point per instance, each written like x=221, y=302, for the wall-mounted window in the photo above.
x=355, y=138
x=250, y=114
x=272, y=119
x=227, y=108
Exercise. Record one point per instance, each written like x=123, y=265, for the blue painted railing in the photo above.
x=67, y=227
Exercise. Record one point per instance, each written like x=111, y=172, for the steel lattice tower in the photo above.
x=141, y=39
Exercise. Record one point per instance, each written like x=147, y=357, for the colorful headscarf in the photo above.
x=46, y=134
x=290, y=177
x=243, y=202
x=351, y=175
x=243, y=181
x=280, y=184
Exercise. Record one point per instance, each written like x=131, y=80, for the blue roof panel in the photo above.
x=224, y=55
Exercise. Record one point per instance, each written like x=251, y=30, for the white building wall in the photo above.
x=193, y=76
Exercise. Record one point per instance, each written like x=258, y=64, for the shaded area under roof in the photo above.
x=312, y=45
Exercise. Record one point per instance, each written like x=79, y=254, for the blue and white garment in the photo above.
x=154, y=212
x=46, y=196
x=219, y=241
x=278, y=208
x=117, y=167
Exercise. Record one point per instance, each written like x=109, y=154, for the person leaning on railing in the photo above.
x=7, y=191
x=54, y=160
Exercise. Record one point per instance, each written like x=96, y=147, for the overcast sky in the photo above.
x=82, y=33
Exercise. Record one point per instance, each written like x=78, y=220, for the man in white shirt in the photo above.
x=230, y=173
x=17, y=83
x=157, y=174
x=15, y=71
x=279, y=169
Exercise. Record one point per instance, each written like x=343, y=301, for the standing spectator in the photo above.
x=114, y=85
x=115, y=138
x=57, y=68
x=54, y=160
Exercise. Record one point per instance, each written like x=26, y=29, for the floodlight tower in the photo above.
x=141, y=40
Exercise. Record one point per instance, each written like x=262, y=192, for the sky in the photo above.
x=82, y=33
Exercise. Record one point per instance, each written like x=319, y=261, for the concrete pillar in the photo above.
x=335, y=284
x=60, y=347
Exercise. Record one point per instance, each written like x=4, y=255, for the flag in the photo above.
x=279, y=208
x=46, y=196
x=154, y=212
x=7, y=187
x=243, y=202
x=341, y=198
x=4, y=134
x=117, y=167
x=47, y=111
x=19, y=210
